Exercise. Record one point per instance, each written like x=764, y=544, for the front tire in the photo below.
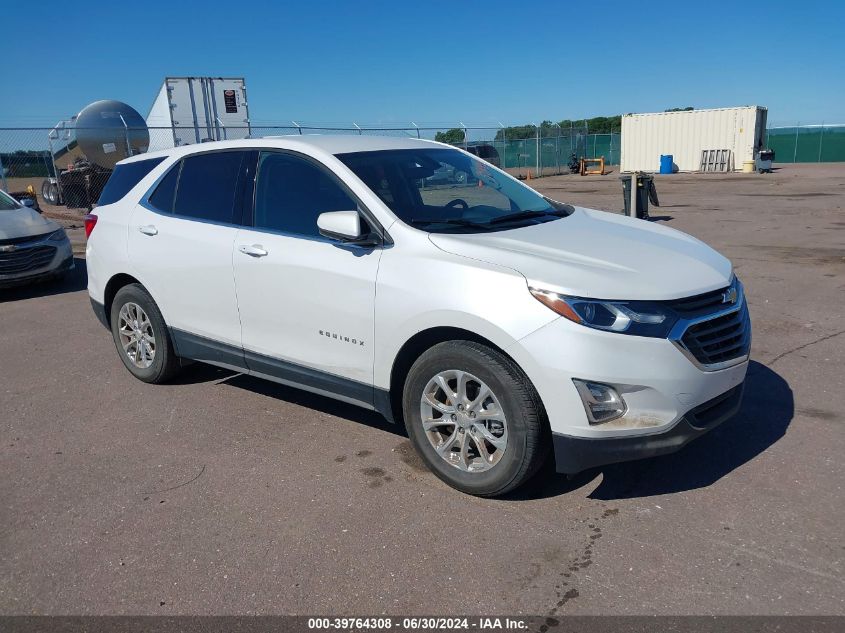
x=475, y=418
x=141, y=336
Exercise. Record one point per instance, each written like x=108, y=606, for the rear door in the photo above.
x=306, y=302
x=180, y=243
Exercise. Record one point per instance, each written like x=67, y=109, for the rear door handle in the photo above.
x=253, y=250
x=149, y=229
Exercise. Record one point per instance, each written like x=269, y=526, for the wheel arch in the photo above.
x=424, y=340
x=115, y=283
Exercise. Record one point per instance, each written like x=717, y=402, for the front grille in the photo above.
x=25, y=259
x=699, y=304
x=23, y=240
x=716, y=410
x=720, y=339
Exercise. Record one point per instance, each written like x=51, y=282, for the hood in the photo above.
x=599, y=255
x=23, y=222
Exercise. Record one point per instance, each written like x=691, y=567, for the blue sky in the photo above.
x=434, y=62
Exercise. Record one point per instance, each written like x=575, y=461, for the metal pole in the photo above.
x=59, y=189
x=126, y=136
x=298, y=127
x=504, y=147
x=537, y=136
x=3, y=175
x=821, y=138
x=557, y=148
x=418, y=128
x=795, y=149
x=225, y=133
x=357, y=127
x=464, y=127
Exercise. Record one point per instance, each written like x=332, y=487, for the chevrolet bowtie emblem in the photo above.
x=729, y=296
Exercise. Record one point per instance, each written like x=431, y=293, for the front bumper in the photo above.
x=575, y=454
x=664, y=392
x=36, y=260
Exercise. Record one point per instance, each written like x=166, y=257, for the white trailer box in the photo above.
x=198, y=109
x=645, y=137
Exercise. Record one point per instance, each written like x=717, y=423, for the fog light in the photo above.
x=601, y=402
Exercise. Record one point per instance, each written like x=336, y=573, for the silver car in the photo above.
x=32, y=248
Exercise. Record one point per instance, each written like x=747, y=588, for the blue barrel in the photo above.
x=666, y=163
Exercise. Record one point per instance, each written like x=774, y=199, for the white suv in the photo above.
x=498, y=324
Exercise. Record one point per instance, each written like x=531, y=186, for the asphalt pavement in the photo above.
x=223, y=494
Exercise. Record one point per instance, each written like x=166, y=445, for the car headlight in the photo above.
x=58, y=235
x=640, y=318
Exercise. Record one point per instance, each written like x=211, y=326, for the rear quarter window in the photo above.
x=125, y=177
x=165, y=193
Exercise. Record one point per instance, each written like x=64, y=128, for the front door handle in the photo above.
x=253, y=250
x=149, y=229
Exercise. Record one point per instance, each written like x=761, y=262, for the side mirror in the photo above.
x=344, y=226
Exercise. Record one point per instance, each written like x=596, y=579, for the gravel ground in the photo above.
x=222, y=494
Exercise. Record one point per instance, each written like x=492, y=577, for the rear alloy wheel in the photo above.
x=141, y=337
x=475, y=418
x=136, y=335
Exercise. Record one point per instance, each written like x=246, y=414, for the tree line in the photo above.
x=595, y=125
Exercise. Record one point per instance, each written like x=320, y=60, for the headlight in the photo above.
x=57, y=236
x=640, y=318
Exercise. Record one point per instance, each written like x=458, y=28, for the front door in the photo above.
x=306, y=302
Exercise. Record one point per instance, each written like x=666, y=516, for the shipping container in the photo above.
x=645, y=137
x=198, y=109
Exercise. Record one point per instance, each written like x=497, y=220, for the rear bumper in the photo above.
x=575, y=454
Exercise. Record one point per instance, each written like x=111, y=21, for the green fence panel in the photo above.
x=808, y=144
x=832, y=145
x=606, y=145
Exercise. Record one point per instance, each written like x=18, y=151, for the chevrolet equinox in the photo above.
x=498, y=324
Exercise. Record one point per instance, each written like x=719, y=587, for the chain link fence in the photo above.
x=31, y=158
x=49, y=164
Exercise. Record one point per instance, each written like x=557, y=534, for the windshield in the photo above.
x=444, y=190
x=7, y=202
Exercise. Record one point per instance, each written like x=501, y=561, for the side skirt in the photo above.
x=281, y=371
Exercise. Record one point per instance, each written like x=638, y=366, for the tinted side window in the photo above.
x=291, y=192
x=165, y=193
x=207, y=186
x=124, y=177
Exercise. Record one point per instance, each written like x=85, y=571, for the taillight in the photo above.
x=90, y=223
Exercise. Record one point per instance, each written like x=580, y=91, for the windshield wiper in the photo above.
x=524, y=215
x=455, y=221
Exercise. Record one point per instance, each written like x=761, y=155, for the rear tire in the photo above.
x=141, y=336
x=488, y=434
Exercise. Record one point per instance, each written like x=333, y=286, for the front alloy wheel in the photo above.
x=474, y=418
x=464, y=421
